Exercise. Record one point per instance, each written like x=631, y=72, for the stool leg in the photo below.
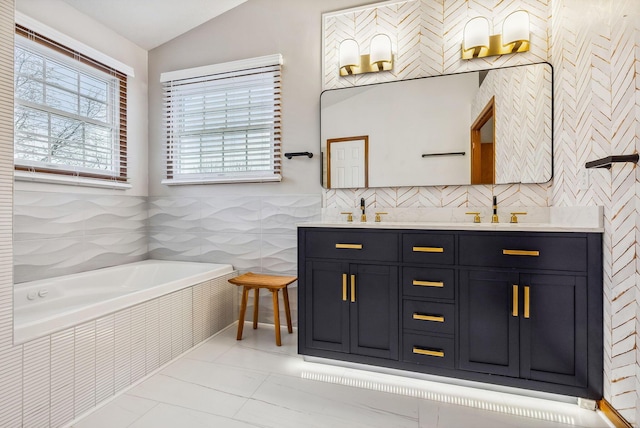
x=243, y=310
x=287, y=311
x=256, y=300
x=276, y=316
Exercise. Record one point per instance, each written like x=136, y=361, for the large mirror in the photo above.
x=487, y=127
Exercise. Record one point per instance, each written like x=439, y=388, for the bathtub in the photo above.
x=49, y=305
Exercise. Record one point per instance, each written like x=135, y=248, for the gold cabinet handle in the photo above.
x=434, y=318
x=428, y=283
x=428, y=352
x=533, y=253
x=344, y=287
x=428, y=250
x=514, y=309
x=353, y=288
x=349, y=246
x=526, y=302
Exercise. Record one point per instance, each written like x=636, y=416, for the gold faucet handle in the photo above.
x=514, y=216
x=378, y=218
x=349, y=216
x=476, y=216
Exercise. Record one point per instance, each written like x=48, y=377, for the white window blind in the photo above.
x=223, y=122
x=69, y=111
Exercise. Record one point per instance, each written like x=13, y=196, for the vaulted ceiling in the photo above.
x=150, y=23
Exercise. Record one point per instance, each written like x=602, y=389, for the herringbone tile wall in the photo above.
x=421, y=33
x=594, y=47
x=595, y=53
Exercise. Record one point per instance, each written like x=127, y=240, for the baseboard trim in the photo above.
x=612, y=414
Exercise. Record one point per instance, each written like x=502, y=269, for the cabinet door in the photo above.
x=489, y=330
x=327, y=309
x=374, y=311
x=553, y=339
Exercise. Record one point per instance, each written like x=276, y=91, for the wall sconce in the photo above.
x=380, y=57
x=478, y=43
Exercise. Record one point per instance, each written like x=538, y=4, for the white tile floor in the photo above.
x=253, y=383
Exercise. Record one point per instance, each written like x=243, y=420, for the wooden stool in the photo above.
x=272, y=283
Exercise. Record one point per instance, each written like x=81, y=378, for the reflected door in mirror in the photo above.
x=348, y=162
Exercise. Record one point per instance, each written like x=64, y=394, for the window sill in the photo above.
x=185, y=181
x=68, y=180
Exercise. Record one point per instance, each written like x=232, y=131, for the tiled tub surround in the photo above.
x=252, y=233
x=49, y=305
x=72, y=371
x=62, y=233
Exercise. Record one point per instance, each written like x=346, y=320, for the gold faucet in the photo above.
x=349, y=216
x=494, y=217
x=476, y=216
x=514, y=216
x=363, y=218
x=378, y=218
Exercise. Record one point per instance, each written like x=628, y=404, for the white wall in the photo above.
x=62, y=17
x=255, y=28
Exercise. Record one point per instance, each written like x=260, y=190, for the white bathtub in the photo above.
x=45, y=306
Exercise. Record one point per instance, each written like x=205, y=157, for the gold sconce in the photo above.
x=380, y=57
x=478, y=43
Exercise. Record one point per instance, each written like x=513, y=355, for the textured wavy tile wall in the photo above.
x=57, y=234
x=253, y=233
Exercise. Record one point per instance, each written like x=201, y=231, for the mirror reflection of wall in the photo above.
x=405, y=120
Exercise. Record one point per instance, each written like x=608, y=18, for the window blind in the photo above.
x=224, y=126
x=70, y=111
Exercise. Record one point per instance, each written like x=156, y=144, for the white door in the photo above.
x=347, y=164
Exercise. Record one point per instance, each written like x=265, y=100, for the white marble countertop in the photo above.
x=588, y=219
x=436, y=225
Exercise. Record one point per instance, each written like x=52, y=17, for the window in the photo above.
x=69, y=111
x=223, y=122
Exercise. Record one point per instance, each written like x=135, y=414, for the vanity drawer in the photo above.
x=525, y=252
x=428, y=248
x=429, y=316
x=428, y=350
x=376, y=246
x=428, y=282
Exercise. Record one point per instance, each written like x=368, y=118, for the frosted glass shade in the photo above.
x=476, y=33
x=515, y=28
x=380, y=49
x=349, y=53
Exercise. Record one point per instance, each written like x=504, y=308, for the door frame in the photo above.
x=476, y=140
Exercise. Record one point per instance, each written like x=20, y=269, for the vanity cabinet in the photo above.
x=350, y=306
x=428, y=299
x=520, y=309
x=530, y=326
